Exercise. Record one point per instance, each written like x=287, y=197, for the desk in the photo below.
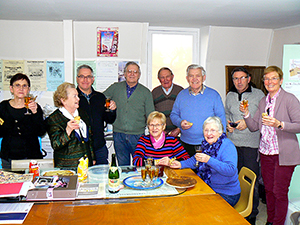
x=198, y=205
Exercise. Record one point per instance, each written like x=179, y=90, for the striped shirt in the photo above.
x=171, y=148
x=269, y=141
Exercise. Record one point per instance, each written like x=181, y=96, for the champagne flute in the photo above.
x=27, y=99
x=107, y=104
x=151, y=175
x=143, y=174
x=198, y=149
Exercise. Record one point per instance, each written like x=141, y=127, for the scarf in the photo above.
x=81, y=133
x=204, y=170
x=158, y=143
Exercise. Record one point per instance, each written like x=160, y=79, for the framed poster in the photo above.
x=107, y=41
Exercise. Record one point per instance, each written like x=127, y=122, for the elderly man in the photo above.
x=93, y=103
x=246, y=142
x=134, y=103
x=193, y=106
x=164, y=97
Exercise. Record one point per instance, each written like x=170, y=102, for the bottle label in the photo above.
x=113, y=184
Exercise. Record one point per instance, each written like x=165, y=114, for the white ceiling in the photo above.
x=174, y=13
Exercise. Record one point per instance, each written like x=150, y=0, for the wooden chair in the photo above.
x=247, y=181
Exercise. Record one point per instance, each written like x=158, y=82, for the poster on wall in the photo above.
x=36, y=71
x=107, y=41
x=107, y=74
x=10, y=68
x=55, y=74
x=291, y=69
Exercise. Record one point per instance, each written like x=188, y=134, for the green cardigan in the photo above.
x=132, y=112
x=68, y=149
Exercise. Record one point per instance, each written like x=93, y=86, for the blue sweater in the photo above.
x=196, y=109
x=224, y=177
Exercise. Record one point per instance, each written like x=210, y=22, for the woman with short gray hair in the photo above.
x=217, y=164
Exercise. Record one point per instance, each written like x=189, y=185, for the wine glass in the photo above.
x=198, y=149
x=107, y=104
x=27, y=99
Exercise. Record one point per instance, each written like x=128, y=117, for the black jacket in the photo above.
x=20, y=132
x=97, y=114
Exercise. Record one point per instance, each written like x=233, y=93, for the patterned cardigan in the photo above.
x=68, y=149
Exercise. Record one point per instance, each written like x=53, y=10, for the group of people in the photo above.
x=179, y=121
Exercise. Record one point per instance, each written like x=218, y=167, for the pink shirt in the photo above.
x=269, y=140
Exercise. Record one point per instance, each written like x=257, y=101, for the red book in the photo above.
x=10, y=189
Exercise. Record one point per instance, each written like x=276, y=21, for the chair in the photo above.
x=247, y=181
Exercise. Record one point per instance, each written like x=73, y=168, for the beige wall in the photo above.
x=289, y=35
x=234, y=46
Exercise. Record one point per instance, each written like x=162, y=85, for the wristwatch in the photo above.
x=279, y=126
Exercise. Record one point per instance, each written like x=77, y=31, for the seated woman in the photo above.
x=69, y=129
x=158, y=145
x=20, y=131
x=217, y=162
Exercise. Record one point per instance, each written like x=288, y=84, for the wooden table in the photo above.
x=198, y=205
x=196, y=209
x=201, y=187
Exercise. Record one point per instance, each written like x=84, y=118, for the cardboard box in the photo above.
x=44, y=192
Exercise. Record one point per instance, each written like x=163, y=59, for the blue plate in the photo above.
x=136, y=182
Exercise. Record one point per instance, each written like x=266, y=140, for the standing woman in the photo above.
x=69, y=129
x=20, y=132
x=278, y=119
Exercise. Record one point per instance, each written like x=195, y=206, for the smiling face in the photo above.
x=19, y=88
x=85, y=80
x=156, y=127
x=72, y=102
x=166, y=79
x=211, y=133
x=272, y=82
x=195, y=79
x=132, y=75
x=241, y=81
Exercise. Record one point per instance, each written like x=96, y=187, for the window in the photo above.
x=174, y=48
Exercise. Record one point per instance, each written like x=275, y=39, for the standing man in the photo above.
x=93, y=102
x=164, y=97
x=193, y=105
x=246, y=142
x=135, y=103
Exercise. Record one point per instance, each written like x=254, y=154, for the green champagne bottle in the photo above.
x=113, y=176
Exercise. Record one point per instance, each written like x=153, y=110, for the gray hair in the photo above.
x=195, y=66
x=132, y=63
x=215, y=120
x=85, y=67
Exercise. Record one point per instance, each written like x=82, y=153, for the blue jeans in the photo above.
x=124, y=145
x=231, y=199
x=101, y=155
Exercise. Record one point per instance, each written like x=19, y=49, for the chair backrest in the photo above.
x=247, y=181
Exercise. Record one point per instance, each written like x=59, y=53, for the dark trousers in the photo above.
x=248, y=157
x=277, y=181
x=190, y=149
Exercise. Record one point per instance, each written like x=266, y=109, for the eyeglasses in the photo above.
x=210, y=131
x=133, y=71
x=271, y=79
x=239, y=78
x=155, y=125
x=89, y=77
x=19, y=86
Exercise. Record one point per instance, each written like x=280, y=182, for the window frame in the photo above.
x=195, y=32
